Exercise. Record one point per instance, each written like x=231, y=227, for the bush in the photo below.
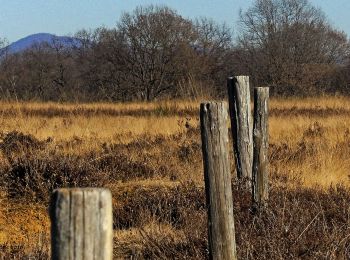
x=32, y=173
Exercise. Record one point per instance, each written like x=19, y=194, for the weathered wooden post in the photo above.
x=221, y=231
x=81, y=224
x=241, y=124
x=261, y=143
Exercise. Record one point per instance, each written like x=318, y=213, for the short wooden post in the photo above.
x=261, y=143
x=221, y=231
x=81, y=224
x=241, y=124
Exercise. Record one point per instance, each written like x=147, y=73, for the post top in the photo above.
x=208, y=104
x=85, y=190
x=262, y=89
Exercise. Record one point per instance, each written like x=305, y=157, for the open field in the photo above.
x=149, y=155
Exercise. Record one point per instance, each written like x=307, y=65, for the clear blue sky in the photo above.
x=19, y=18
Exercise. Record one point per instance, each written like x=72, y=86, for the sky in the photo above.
x=20, y=18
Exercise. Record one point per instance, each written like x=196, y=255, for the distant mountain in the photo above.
x=39, y=38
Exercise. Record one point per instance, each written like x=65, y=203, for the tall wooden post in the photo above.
x=221, y=231
x=81, y=224
x=261, y=143
x=241, y=124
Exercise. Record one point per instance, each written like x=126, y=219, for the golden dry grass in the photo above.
x=309, y=140
x=91, y=127
x=100, y=128
x=97, y=127
x=310, y=102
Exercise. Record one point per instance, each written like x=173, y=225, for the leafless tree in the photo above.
x=156, y=53
x=214, y=46
x=155, y=37
x=3, y=49
x=102, y=56
x=286, y=43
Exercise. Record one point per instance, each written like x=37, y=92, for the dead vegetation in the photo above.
x=156, y=178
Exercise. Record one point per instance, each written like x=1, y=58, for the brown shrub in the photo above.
x=18, y=252
x=35, y=177
x=15, y=143
x=33, y=172
x=136, y=207
x=307, y=223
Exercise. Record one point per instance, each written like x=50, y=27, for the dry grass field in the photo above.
x=149, y=155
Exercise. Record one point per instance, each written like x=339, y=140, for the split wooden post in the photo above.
x=221, y=231
x=261, y=143
x=81, y=224
x=241, y=124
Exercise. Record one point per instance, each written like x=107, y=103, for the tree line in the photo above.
x=155, y=53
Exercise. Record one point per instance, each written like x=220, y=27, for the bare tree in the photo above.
x=214, y=46
x=102, y=56
x=155, y=37
x=3, y=45
x=284, y=40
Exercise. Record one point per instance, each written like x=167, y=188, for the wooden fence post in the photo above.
x=241, y=124
x=81, y=224
x=221, y=231
x=261, y=143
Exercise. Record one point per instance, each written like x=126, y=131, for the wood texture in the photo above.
x=81, y=224
x=241, y=124
x=221, y=231
x=261, y=143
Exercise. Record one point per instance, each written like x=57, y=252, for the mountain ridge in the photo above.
x=39, y=38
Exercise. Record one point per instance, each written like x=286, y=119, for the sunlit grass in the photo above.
x=312, y=148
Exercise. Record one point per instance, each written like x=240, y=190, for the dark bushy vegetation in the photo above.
x=33, y=172
x=306, y=223
x=18, y=252
x=156, y=53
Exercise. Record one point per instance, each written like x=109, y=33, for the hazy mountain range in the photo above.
x=40, y=38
